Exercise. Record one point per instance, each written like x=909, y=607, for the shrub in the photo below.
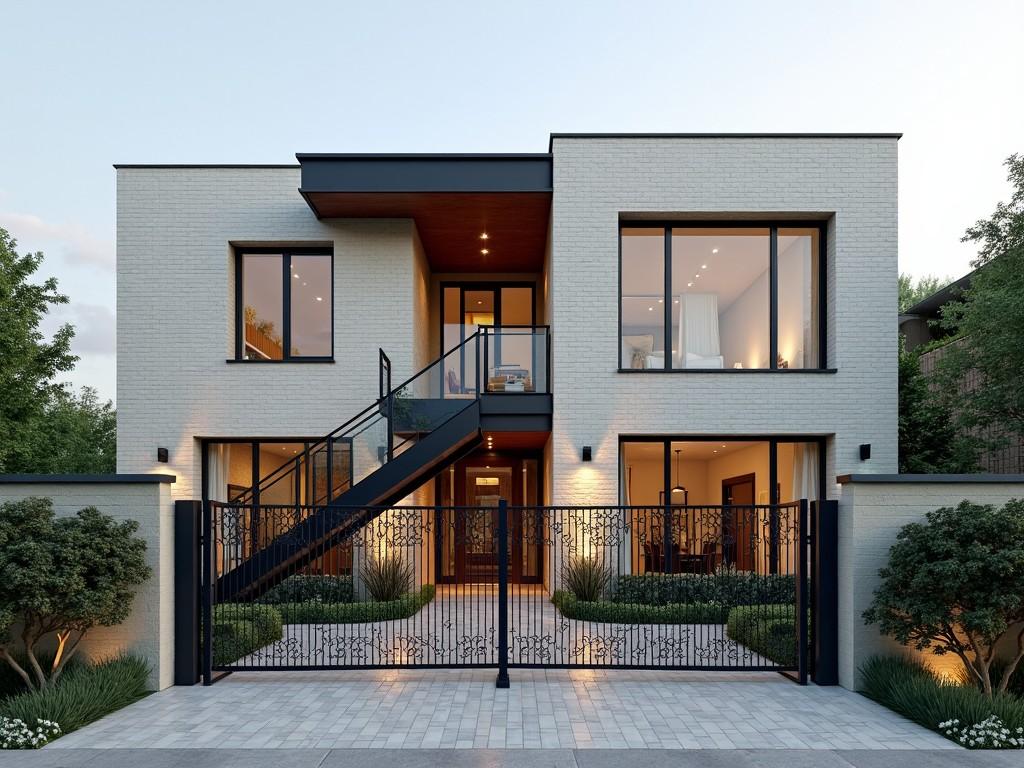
x=241, y=628
x=83, y=694
x=310, y=589
x=768, y=630
x=61, y=577
x=387, y=578
x=633, y=613
x=726, y=587
x=911, y=689
x=355, y=613
x=586, y=577
x=955, y=584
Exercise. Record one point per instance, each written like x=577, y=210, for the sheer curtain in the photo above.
x=698, y=322
x=217, y=467
x=805, y=471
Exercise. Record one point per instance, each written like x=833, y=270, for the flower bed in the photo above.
x=725, y=587
x=84, y=693
x=961, y=713
x=355, y=613
x=637, y=613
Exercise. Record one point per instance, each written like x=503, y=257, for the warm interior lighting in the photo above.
x=484, y=251
x=296, y=275
x=688, y=285
x=319, y=298
x=703, y=266
x=484, y=236
x=714, y=250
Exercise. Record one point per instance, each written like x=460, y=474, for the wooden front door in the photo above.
x=739, y=521
x=468, y=538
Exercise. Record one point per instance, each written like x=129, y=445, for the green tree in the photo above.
x=911, y=291
x=76, y=434
x=929, y=441
x=61, y=577
x=28, y=363
x=955, y=584
x=990, y=318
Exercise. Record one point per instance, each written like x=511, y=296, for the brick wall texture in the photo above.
x=851, y=183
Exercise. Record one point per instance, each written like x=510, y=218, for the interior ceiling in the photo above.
x=692, y=450
x=504, y=441
x=450, y=225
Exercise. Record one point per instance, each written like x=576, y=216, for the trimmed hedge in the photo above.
x=83, y=693
x=241, y=628
x=356, y=613
x=908, y=687
x=310, y=589
x=768, y=630
x=635, y=613
x=725, y=587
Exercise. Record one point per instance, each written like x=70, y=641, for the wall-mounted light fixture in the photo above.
x=588, y=453
x=865, y=451
x=161, y=455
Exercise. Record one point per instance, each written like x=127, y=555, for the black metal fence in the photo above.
x=681, y=587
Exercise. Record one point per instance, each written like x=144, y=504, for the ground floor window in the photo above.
x=705, y=503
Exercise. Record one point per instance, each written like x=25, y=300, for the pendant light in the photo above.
x=678, y=487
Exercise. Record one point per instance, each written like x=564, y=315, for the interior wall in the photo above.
x=743, y=327
x=421, y=321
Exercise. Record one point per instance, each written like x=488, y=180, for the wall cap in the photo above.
x=908, y=479
x=94, y=479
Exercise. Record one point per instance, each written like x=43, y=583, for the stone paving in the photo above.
x=461, y=709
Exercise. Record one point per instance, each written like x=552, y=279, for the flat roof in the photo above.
x=33, y=479
x=883, y=135
x=981, y=477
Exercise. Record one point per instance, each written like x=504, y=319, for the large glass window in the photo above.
x=285, y=306
x=734, y=298
x=642, y=299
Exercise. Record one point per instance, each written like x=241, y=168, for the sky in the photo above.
x=87, y=85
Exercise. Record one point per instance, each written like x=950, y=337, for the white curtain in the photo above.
x=218, y=463
x=217, y=471
x=805, y=471
x=698, y=323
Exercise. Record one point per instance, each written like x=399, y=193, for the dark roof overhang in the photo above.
x=453, y=198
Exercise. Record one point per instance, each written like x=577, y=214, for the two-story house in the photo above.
x=689, y=320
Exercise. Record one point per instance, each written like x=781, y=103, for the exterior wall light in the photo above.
x=865, y=451
x=161, y=455
x=588, y=453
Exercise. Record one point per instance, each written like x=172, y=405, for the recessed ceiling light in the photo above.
x=650, y=309
x=688, y=285
x=703, y=266
x=661, y=301
x=715, y=451
x=296, y=275
x=484, y=251
x=304, y=283
x=319, y=298
x=723, y=446
x=484, y=236
x=677, y=300
x=714, y=250
x=697, y=275
x=479, y=302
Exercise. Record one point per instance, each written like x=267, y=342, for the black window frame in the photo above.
x=286, y=306
x=773, y=226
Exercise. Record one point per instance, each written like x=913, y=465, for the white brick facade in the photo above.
x=850, y=182
x=175, y=314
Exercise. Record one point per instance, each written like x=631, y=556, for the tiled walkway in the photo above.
x=543, y=709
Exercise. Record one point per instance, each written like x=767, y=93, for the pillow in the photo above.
x=637, y=348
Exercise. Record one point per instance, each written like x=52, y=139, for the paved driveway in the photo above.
x=462, y=709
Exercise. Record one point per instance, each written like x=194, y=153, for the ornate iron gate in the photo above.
x=679, y=587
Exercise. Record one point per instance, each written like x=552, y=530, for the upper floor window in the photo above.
x=284, y=305
x=724, y=297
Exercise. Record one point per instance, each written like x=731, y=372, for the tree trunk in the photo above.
x=1008, y=673
x=22, y=673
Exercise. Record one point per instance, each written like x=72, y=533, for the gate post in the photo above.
x=502, y=681
x=801, y=592
x=825, y=591
x=187, y=521
x=207, y=592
